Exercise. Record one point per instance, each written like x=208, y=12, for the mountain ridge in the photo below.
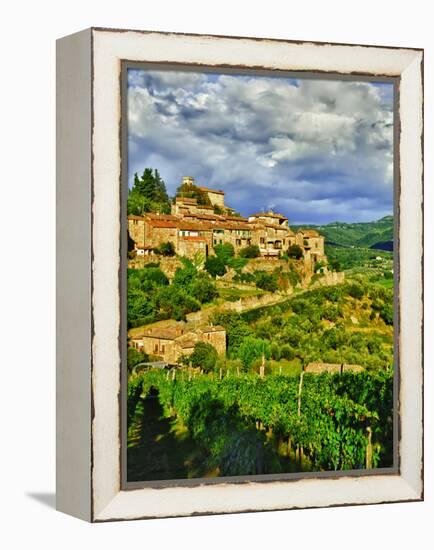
x=376, y=234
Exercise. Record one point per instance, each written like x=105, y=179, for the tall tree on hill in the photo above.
x=148, y=194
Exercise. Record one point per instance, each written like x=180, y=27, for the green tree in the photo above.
x=203, y=288
x=386, y=313
x=250, y=251
x=215, y=266
x=224, y=251
x=148, y=194
x=294, y=251
x=335, y=264
x=355, y=291
x=204, y=356
x=134, y=357
x=266, y=281
x=174, y=303
x=166, y=249
x=252, y=348
x=189, y=191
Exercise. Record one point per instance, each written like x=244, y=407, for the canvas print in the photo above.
x=260, y=274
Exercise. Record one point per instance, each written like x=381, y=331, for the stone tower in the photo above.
x=187, y=180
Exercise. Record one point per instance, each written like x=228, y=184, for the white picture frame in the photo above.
x=89, y=164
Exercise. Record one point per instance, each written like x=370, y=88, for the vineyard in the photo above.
x=245, y=424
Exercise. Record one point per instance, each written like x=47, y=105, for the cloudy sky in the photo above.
x=315, y=150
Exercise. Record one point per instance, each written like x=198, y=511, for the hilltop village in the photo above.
x=193, y=228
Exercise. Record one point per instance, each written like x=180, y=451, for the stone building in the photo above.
x=171, y=342
x=312, y=244
x=193, y=227
x=332, y=368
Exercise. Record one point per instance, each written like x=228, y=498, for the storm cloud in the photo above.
x=316, y=150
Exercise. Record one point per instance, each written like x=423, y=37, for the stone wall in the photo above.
x=332, y=368
x=168, y=264
x=243, y=304
x=330, y=278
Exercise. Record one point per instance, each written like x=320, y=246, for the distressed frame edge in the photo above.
x=73, y=275
x=410, y=491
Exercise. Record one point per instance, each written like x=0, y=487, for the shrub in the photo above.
x=335, y=264
x=174, y=303
x=204, y=356
x=237, y=263
x=203, y=288
x=166, y=249
x=224, y=251
x=266, y=281
x=286, y=352
x=294, y=251
x=355, y=291
x=275, y=351
x=251, y=251
x=319, y=266
x=215, y=266
x=252, y=348
x=134, y=357
x=386, y=313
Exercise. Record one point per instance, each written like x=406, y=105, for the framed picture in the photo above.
x=239, y=267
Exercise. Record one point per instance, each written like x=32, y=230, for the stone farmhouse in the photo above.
x=193, y=227
x=171, y=342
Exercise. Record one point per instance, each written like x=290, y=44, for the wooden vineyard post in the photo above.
x=369, y=449
x=300, y=387
x=220, y=373
x=262, y=367
x=173, y=375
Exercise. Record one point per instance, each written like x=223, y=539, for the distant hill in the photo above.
x=377, y=235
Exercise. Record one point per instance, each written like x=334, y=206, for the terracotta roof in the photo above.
x=155, y=216
x=205, y=207
x=205, y=216
x=187, y=200
x=163, y=224
x=143, y=247
x=236, y=218
x=164, y=333
x=193, y=239
x=268, y=215
x=309, y=233
x=232, y=226
x=213, y=328
x=275, y=226
x=193, y=226
x=188, y=344
x=209, y=190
